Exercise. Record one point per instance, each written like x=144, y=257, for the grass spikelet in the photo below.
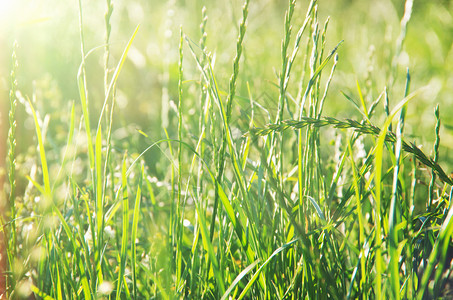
x=435, y=158
x=179, y=204
x=11, y=160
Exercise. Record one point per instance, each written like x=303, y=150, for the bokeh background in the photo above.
x=48, y=53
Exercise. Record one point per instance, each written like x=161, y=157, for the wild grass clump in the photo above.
x=232, y=208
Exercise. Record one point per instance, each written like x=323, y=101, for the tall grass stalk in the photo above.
x=82, y=83
x=238, y=227
x=205, y=109
x=229, y=106
x=361, y=241
x=46, y=195
x=108, y=31
x=408, y=5
x=179, y=205
x=8, y=238
x=378, y=196
x=134, y=261
x=435, y=158
x=166, y=65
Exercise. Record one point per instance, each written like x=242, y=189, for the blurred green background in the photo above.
x=47, y=33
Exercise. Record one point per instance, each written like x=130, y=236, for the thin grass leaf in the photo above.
x=99, y=204
x=85, y=285
x=223, y=197
x=440, y=248
x=134, y=232
x=40, y=293
x=210, y=249
x=362, y=101
x=116, y=73
x=317, y=208
x=239, y=278
x=361, y=242
x=58, y=287
x=226, y=114
x=394, y=213
x=68, y=145
x=125, y=231
x=255, y=276
x=83, y=92
x=355, y=105
x=179, y=204
x=329, y=80
x=36, y=185
x=42, y=155
x=209, y=77
x=315, y=75
x=378, y=151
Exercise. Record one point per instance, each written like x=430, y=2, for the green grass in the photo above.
x=305, y=185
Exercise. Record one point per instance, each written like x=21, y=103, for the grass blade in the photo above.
x=134, y=231
x=99, y=205
x=255, y=276
x=116, y=73
x=378, y=151
x=238, y=279
x=42, y=155
x=125, y=231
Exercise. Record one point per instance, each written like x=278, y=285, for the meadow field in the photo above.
x=226, y=149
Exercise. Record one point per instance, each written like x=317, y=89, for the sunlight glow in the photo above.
x=6, y=6
x=6, y=13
